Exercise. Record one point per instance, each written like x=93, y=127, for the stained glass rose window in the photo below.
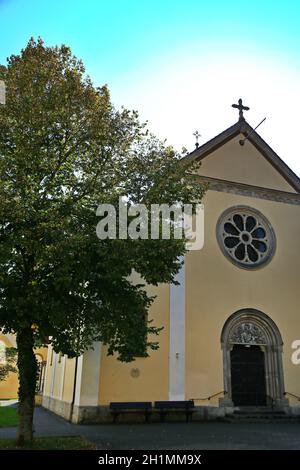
x=246, y=237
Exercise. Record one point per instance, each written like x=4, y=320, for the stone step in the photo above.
x=287, y=419
x=257, y=409
x=260, y=413
x=261, y=417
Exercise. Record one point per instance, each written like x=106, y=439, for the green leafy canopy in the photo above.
x=64, y=149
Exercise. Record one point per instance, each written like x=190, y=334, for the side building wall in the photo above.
x=101, y=379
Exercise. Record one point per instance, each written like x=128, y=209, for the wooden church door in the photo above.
x=248, y=375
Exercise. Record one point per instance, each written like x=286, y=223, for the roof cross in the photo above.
x=241, y=108
x=197, y=135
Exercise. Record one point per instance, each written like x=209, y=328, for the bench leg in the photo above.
x=147, y=415
x=115, y=417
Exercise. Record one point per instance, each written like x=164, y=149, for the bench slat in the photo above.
x=174, y=404
x=137, y=405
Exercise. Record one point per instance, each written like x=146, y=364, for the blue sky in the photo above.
x=180, y=63
x=116, y=34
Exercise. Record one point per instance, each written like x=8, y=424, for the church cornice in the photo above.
x=248, y=190
x=242, y=127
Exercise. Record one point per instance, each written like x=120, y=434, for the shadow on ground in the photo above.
x=181, y=436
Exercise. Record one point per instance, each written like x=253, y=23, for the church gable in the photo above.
x=253, y=163
x=243, y=164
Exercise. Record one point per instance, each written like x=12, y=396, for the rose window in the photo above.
x=246, y=237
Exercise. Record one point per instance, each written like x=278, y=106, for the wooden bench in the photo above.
x=165, y=407
x=118, y=408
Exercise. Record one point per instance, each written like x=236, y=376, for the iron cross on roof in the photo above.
x=241, y=108
x=197, y=135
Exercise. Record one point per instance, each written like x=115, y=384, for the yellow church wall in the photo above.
x=58, y=378
x=118, y=381
x=48, y=372
x=215, y=288
x=243, y=164
x=9, y=387
x=68, y=386
x=41, y=353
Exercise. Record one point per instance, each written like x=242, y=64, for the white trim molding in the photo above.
x=62, y=380
x=53, y=370
x=88, y=377
x=177, y=338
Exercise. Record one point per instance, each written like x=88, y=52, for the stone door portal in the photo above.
x=252, y=359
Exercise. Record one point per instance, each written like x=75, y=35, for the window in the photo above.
x=246, y=237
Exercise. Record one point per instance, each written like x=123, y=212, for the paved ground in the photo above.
x=154, y=436
x=9, y=402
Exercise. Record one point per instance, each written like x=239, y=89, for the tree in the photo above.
x=63, y=150
x=8, y=362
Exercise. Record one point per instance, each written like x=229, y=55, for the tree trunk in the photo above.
x=27, y=366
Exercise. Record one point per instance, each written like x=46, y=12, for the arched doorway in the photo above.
x=252, y=360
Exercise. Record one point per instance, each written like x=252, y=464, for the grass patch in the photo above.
x=50, y=443
x=8, y=416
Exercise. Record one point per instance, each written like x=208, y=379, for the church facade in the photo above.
x=232, y=323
